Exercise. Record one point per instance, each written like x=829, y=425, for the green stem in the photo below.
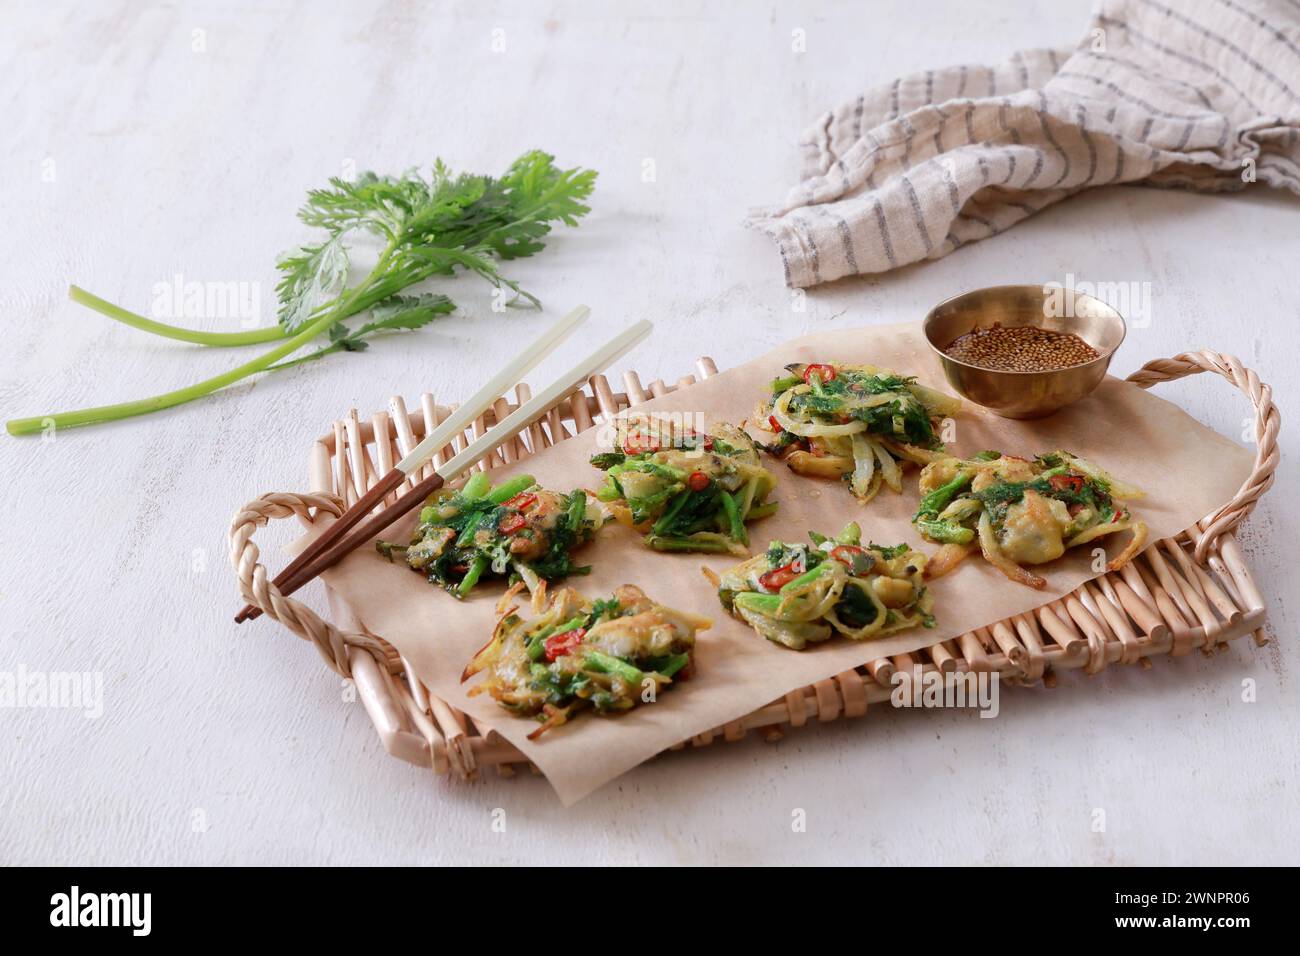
x=767, y=604
x=941, y=497
x=220, y=339
x=670, y=515
x=674, y=664
x=472, y=575
x=143, y=406
x=471, y=528
x=476, y=486
x=603, y=663
x=712, y=543
x=944, y=532
x=734, y=521
x=507, y=490
x=806, y=578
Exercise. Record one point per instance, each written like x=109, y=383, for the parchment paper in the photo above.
x=1186, y=469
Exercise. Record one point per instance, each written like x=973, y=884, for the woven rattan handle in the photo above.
x=257, y=588
x=1268, y=421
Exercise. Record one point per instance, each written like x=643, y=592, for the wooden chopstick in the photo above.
x=456, y=422
x=476, y=451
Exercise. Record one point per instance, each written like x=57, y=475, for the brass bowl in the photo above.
x=1025, y=394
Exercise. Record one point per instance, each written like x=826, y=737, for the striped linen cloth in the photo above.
x=1197, y=94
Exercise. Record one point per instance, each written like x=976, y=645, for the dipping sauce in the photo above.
x=1021, y=348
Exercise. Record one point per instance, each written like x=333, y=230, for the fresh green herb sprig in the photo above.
x=429, y=227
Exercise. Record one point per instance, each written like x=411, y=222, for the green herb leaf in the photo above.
x=313, y=276
x=394, y=314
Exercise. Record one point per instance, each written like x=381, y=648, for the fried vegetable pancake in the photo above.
x=607, y=655
x=1022, y=512
x=694, y=494
x=516, y=530
x=860, y=423
x=796, y=594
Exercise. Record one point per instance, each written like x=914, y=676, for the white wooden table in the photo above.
x=139, y=145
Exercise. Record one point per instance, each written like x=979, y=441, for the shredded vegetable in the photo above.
x=695, y=493
x=797, y=594
x=607, y=655
x=1020, y=512
x=515, y=530
x=856, y=422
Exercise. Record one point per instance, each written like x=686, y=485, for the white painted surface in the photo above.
x=172, y=161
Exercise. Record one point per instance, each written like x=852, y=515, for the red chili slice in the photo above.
x=858, y=560
x=512, y=523
x=698, y=481
x=777, y=578
x=825, y=372
x=558, y=645
x=776, y=426
x=640, y=444
x=1066, y=483
x=522, y=500
x=692, y=438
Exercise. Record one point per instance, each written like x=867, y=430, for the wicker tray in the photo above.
x=1190, y=592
